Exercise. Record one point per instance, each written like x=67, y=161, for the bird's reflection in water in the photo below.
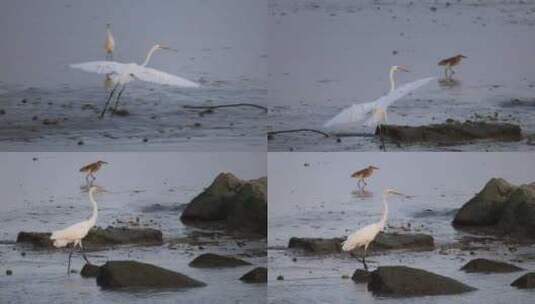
x=86, y=187
x=448, y=83
x=362, y=193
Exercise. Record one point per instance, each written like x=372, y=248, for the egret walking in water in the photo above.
x=75, y=233
x=374, y=113
x=364, y=236
x=123, y=73
x=91, y=169
x=109, y=44
x=362, y=175
x=449, y=63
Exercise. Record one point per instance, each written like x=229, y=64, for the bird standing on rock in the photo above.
x=449, y=63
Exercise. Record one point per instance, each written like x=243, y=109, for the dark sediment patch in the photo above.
x=90, y=271
x=361, y=276
x=210, y=260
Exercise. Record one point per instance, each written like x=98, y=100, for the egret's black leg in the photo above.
x=69, y=263
x=117, y=101
x=83, y=253
x=364, y=260
x=108, y=101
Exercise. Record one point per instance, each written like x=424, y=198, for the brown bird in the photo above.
x=363, y=174
x=91, y=169
x=109, y=43
x=448, y=63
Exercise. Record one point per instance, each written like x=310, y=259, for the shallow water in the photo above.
x=225, y=52
x=327, y=56
x=319, y=200
x=45, y=194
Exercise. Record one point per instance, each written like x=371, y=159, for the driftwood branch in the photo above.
x=233, y=105
x=270, y=134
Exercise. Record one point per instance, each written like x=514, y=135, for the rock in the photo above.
x=361, y=276
x=98, y=237
x=280, y=278
x=405, y=281
x=489, y=266
x=525, y=281
x=485, y=208
x=505, y=208
x=452, y=133
x=257, y=275
x=90, y=271
x=237, y=204
x=117, y=274
x=9, y=272
x=383, y=242
x=210, y=260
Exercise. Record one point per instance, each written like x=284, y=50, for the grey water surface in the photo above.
x=312, y=195
x=221, y=45
x=47, y=194
x=326, y=56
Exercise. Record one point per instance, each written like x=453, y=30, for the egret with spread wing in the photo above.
x=123, y=73
x=365, y=235
x=373, y=114
x=75, y=233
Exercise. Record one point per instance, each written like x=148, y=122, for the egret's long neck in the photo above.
x=93, y=218
x=149, y=55
x=392, y=81
x=382, y=223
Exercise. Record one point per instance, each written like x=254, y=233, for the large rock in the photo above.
x=90, y=271
x=210, y=260
x=239, y=205
x=405, y=281
x=383, y=242
x=489, y=266
x=98, y=237
x=118, y=274
x=486, y=207
x=505, y=208
x=257, y=275
x=525, y=281
x=453, y=133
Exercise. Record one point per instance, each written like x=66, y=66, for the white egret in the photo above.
x=365, y=235
x=123, y=73
x=109, y=43
x=75, y=233
x=374, y=113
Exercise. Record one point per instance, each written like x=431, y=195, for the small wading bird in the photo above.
x=109, y=44
x=123, y=73
x=91, y=169
x=362, y=175
x=373, y=113
x=449, y=63
x=364, y=236
x=75, y=233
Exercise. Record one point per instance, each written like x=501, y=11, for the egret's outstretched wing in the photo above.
x=351, y=115
x=100, y=67
x=385, y=101
x=155, y=76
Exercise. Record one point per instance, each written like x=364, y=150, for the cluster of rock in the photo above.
x=239, y=205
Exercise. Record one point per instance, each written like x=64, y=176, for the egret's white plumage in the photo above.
x=372, y=114
x=75, y=233
x=365, y=235
x=123, y=73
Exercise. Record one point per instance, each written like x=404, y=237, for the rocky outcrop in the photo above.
x=239, y=205
x=98, y=237
x=453, y=132
x=119, y=274
x=361, y=276
x=526, y=281
x=90, y=271
x=383, y=242
x=398, y=281
x=257, y=275
x=489, y=266
x=505, y=208
x=210, y=260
